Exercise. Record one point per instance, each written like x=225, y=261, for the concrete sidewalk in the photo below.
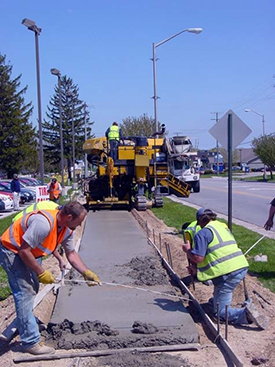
x=111, y=240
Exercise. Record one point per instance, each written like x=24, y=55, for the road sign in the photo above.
x=240, y=130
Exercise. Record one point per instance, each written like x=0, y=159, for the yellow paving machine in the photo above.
x=137, y=178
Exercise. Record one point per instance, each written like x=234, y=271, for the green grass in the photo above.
x=175, y=214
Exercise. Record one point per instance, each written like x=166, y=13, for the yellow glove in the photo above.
x=91, y=278
x=46, y=277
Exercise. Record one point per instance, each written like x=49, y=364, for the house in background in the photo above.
x=241, y=157
x=249, y=158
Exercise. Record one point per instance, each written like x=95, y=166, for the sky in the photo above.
x=106, y=47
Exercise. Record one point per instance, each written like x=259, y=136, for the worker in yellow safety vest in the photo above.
x=33, y=235
x=218, y=258
x=190, y=230
x=114, y=135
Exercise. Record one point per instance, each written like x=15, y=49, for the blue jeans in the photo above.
x=223, y=294
x=113, y=149
x=24, y=285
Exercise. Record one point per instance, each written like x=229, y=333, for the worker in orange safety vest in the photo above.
x=54, y=189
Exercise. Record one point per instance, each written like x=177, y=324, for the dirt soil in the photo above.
x=251, y=345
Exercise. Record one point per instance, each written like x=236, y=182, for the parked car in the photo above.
x=7, y=200
x=28, y=181
x=5, y=189
x=2, y=205
x=31, y=181
x=28, y=193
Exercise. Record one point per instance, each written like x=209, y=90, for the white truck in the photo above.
x=183, y=163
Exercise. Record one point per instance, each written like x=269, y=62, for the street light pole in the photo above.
x=263, y=123
x=85, y=137
x=155, y=45
x=58, y=74
x=73, y=141
x=30, y=24
x=71, y=95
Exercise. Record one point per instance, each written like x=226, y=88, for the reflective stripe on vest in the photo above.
x=222, y=256
x=12, y=238
x=40, y=205
x=113, y=133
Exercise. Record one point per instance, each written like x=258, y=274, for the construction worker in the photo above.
x=42, y=205
x=22, y=246
x=218, y=258
x=55, y=190
x=269, y=223
x=190, y=230
x=114, y=135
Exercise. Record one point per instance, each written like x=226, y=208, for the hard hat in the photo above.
x=203, y=211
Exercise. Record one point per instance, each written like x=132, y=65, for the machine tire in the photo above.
x=196, y=186
x=141, y=203
x=159, y=202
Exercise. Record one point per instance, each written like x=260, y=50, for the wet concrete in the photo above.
x=116, y=249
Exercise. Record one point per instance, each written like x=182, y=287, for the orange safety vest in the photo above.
x=54, y=191
x=12, y=238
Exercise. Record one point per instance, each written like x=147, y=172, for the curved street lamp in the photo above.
x=263, y=122
x=57, y=73
x=155, y=45
x=30, y=24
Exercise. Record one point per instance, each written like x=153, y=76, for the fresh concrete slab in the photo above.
x=111, y=240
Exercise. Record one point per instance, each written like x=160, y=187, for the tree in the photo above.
x=264, y=148
x=72, y=109
x=139, y=126
x=18, y=139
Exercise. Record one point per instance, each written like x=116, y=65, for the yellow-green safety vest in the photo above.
x=191, y=230
x=113, y=133
x=223, y=254
x=40, y=205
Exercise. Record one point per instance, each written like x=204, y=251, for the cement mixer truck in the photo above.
x=183, y=163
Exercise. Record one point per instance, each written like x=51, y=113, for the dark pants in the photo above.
x=113, y=148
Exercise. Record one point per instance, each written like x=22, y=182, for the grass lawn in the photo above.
x=175, y=214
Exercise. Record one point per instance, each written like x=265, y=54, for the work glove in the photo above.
x=91, y=278
x=46, y=277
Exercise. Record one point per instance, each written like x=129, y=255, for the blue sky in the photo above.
x=105, y=46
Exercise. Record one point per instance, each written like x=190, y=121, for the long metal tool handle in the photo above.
x=189, y=262
x=256, y=243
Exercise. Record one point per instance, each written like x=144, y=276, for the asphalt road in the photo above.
x=250, y=200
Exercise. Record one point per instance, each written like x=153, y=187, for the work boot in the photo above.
x=253, y=315
x=39, y=349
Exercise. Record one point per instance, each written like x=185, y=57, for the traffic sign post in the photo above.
x=230, y=131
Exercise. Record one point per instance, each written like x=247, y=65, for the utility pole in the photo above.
x=217, y=143
x=85, y=136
